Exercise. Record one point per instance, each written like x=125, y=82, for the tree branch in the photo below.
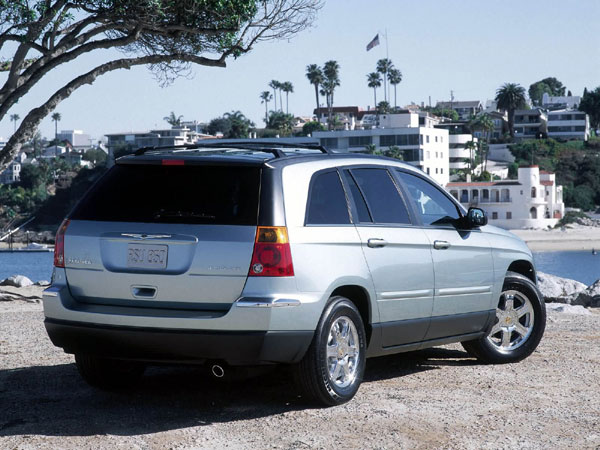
x=30, y=123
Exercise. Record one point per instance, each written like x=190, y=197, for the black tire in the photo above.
x=491, y=353
x=109, y=374
x=312, y=373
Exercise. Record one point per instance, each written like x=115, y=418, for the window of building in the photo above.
x=521, y=191
x=508, y=215
x=413, y=139
x=327, y=201
x=442, y=170
x=331, y=143
x=547, y=193
x=436, y=154
x=432, y=204
x=442, y=139
x=436, y=170
x=441, y=154
x=427, y=139
x=428, y=155
x=485, y=195
x=436, y=139
x=359, y=141
x=420, y=139
x=533, y=213
x=464, y=196
x=533, y=192
x=494, y=215
x=427, y=170
x=387, y=140
x=382, y=196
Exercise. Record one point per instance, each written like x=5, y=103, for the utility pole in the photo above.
x=451, y=99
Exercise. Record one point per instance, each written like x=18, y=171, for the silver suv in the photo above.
x=257, y=255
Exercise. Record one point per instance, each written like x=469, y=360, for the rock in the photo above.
x=590, y=296
x=42, y=283
x=17, y=281
x=568, y=309
x=557, y=289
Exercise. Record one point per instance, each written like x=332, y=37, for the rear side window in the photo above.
x=382, y=196
x=190, y=194
x=327, y=203
x=434, y=206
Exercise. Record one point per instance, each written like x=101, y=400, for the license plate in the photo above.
x=147, y=256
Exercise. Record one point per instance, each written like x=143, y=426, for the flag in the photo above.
x=373, y=43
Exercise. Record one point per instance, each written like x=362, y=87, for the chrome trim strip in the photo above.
x=266, y=302
x=464, y=290
x=399, y=295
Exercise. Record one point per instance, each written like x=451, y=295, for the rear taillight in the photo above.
x=272, y=256
x=59, y=244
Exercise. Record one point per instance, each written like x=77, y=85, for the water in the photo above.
x=581, y=265
x=36, y=266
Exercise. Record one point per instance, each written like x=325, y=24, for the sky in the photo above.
x=465, y=46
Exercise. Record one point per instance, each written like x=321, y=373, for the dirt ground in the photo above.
x=438, y=398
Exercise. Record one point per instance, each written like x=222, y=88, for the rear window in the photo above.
x=189, y=194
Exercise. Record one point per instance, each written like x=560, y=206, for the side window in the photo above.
x=382, y=197
x=435, y=208
x=359, y=200
x=327, y=201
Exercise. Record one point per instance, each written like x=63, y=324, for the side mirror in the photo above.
x=476, y=217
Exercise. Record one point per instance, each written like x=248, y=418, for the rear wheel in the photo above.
x=332, y=369
x=519, y=324
x=105, y=373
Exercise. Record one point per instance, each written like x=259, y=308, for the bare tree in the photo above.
x=167, y=36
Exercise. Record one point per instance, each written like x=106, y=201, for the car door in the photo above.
x=397, y=252
x=462, y=261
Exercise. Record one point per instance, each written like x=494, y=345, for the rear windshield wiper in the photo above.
x=165, y=214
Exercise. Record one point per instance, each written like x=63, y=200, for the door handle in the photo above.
x=441, y=245
x=376, y=242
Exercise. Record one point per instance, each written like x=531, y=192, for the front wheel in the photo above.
x=519, y=324
x=332, y=369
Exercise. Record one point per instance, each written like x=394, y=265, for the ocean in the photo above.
x=580, y=266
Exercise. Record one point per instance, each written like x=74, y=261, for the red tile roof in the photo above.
x=547, y=183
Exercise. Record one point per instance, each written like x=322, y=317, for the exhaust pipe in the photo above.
x=217, y=371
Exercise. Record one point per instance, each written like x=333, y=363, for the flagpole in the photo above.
x=387, y=52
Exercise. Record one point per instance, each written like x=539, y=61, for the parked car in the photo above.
x=249, y=254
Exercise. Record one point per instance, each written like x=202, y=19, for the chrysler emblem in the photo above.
x=146, y=236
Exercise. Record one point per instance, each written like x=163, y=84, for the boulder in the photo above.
x=42, y=283
x=590, y=296
x=557, y=289
x=17, y=281
x=568, y=309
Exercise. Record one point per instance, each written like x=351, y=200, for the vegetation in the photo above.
x=311, y=127
x=510, y=97
x=590, y=103
x=165, y=35
x=395, y=78
x=331, y=80
x=549, y=85
x=383, y=67
x=233, y=125
x=15, y=118
x=576, y=164
x=282, y=122
x=173, y=119
x=374, y=81
x=443, y=112
x=571, y=217
x=266, y=97
x=315, y=77
x=288, y=88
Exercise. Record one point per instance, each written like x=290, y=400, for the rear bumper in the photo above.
x=179, y=345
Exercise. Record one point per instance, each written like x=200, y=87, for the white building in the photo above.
x=530, y=124
x=459, y=136
x=12, y=173
x=348, y=116
x=568, y=124
x=152, y=138
x=464, y=109
x=425, y=147
x=77, y=138
x=570, y=101
x=532, y=201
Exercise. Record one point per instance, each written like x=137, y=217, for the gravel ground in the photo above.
x=438, y=398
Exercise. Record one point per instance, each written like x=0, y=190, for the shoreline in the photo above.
x=576, y=238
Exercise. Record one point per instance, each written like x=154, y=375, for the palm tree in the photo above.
x=331, y=71
x=274, y=84
x=288, y=88
x=395, y=77
x=510, y=97
x=374, y=81
x=315, y=77
x=471, y=146
x=173, y=120
x=56, y=118
x=383, y=67
x=14, y=118
x=266, y=97
x=486, y=125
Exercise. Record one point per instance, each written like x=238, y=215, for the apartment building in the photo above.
x=12, y=173
x=568, y=124
x=458, y=138
x=424, y=147
x=152, y=138
x=77, y=138
x=464, y=109
x=531, y=124
x=532, y=201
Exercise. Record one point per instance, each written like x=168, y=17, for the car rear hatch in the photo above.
x=164, y=234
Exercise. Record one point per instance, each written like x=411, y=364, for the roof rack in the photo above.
x=274, y=148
